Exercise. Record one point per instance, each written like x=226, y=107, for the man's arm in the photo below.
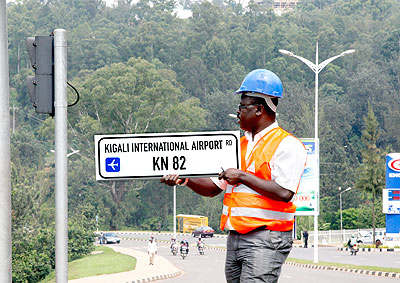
x=202, y=186
x=287, y=166
x=266, y=188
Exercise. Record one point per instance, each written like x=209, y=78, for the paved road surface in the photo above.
x=209, y=268
x=329, y=254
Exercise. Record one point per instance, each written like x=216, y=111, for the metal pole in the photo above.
x=316, y=68
x=317, y=149
x=175, y=212
x=13, y=121
x=61, y=143
x=5, y=169
x=341, y=223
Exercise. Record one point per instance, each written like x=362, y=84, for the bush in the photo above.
x=33, y=251
x=33, y=256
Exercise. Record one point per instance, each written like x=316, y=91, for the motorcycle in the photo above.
x=353, y=249
x=200, y=247
x=174, y=249
x=184, y=251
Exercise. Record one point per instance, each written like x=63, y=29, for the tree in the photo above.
x=371, y=177
x=135, y=97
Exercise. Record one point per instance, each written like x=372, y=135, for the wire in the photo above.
x=31, y=117
x=77, y=95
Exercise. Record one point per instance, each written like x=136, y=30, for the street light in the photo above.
x=174, y=212
x=316, y=68
x=69, y=154
x=341, y=221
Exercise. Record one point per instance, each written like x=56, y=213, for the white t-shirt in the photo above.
x=287, y=163
x=152, y=247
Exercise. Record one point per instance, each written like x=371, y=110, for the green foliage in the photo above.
x=371, y=178
x=81, y=232
x=140, y=69
x=33, y=255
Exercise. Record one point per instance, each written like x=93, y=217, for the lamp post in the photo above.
x=316, y=68
x=174, y=212
x=340, y=198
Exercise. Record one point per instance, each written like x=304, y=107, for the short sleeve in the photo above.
x=288, y=163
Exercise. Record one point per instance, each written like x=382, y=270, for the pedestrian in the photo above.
x=305, y=237
x=257, y=207
x=101, y=238
x=152, y=249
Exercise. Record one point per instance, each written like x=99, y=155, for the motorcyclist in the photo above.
x=200, y=242
x=184, y=245
x=353, y=240
x=174, y=245
x=173, y=241
x=352, y=244
x=200, y=245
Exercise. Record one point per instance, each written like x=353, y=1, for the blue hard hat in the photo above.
x=262, y=81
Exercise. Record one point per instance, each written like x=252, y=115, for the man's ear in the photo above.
x=260, y=109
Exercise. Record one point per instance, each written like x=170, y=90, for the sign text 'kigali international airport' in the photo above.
x=154, y=155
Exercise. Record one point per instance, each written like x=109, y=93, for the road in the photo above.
x=329, y=254
x=210, y=267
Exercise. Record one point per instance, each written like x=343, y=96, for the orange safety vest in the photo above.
x=247, y=209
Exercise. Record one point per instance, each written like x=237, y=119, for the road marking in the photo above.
x=397, y=262
x=286, y=276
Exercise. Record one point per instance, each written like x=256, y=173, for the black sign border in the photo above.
x=163, y=136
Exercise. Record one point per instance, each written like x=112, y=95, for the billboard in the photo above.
x=391, y=194
x=307, y=197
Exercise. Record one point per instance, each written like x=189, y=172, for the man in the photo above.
x=200, y=245
x=305, y=236
x=257, y=206
x=152, y=249
x=101, y=238
x=184, y=245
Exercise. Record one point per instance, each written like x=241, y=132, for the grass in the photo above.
x=344, y=265
x=106, y=262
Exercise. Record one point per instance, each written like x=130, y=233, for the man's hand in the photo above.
x=232, y=176
x=171, y=179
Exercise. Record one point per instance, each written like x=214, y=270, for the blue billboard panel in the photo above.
x=391, y=195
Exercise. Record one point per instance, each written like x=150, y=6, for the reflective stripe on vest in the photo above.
x=259, y=213
x=241, y=188
x=247, y=209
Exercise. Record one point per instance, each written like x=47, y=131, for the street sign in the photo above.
x=147, y=156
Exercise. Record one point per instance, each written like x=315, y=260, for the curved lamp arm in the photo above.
x=304, y=60
x=327, y=61
x=319, y=67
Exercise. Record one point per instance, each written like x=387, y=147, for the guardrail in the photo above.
x=161, y=233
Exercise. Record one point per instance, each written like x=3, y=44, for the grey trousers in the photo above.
x=256, y=256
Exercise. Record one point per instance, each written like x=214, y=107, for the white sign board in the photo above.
x=148, y=156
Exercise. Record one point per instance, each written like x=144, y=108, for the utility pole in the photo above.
x=5, y=169
x=61, y=144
